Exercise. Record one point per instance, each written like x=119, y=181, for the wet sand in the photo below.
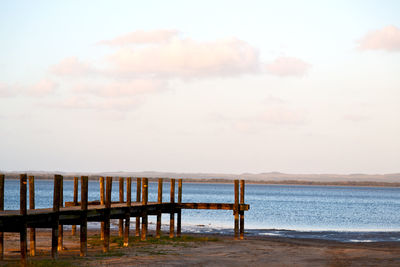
x=210, y=250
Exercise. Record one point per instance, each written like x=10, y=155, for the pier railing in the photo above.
x=103, y=210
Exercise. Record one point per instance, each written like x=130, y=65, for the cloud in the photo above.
x=42, y=88
x=121, y=89
x=188, y=58
x=141, y=37
x=387, y=38
x=71, y=66
x=7, y=90
x=287, y=66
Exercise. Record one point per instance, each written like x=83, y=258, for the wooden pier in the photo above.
x=80, y=212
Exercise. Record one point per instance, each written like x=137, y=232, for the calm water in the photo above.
x=349, y=214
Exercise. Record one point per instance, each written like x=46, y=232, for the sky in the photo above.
x=200, y=86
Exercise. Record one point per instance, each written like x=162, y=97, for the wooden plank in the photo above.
x=236, y=210
x=121, y=200
x=84, y=207
x=172, y=214
x=61, y=227
x=1, y=209
x=106, y=243
x=212, y=206
x=179, y=212
x=23, y=212
x=145, y=192
x=101, y=180
x=138, y=199
x=75, y=201
x=241, y=226
x=127, y=216
x=159, y=200
x=32, y=231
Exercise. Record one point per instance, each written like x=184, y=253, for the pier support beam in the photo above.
x=106, y=229
x=1, y=209
x=172, y=214
x=242, y=212
x=127, y=214
x=138, y=199
x=101, y=180
x=159, y=201
x=179, y=211
x=236, y=210
x=22, y=208
x=56, y=209
x=61, y=227
x=84, y=207
x=32, y=231
x=145, y=191
x=121, y=200
x=75, y=200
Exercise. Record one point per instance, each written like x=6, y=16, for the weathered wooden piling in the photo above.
x=242, y=188
x=101, y=180
x=236, y=210
x=172, y=214
x=159, y=201
x=61, y=227
x=23, y=212
x=138, y=199
x=32, y=231
x=179, y=211
x=56, y=210
x=145, y=191
x=121, y=200
x=107, y=210
x=84, y=207
x=127, y=213
x=75, y=200
x=1, y=209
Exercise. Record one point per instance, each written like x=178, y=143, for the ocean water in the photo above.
x=348, y=214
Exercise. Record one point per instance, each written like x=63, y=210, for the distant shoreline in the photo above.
x=225, y=180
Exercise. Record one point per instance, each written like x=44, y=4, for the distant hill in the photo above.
x=265, y=177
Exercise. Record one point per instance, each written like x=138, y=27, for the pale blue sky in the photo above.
x=337, y=111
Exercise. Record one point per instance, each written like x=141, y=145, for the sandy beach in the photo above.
x=207, y=250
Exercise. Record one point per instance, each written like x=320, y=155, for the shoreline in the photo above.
x=210, y=250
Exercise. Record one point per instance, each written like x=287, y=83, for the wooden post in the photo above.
x=1, y=209
x=242, y=212
x=179, y=212
x=84, y=207
x=144, y=203
x=60, y=227
x=32, y=231
x=56, y=209
x=73, y=231
x=101, y=180
x=138, y=199
x=236, y=210
x=159, y=201
x=121, y=200
x=22, y=209
x=172, y=214
x=106, y=243
x=128, y=214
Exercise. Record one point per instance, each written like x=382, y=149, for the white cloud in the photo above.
x=71, y=66
x=387, y=38
x=188, y=58
x=288, y=66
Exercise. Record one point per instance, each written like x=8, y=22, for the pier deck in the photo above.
x=79, y=213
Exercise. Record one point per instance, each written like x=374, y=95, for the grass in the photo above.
x=43, y=263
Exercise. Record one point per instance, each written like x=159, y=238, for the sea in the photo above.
x=337, y=213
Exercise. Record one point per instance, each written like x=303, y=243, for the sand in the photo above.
x=211, y=250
